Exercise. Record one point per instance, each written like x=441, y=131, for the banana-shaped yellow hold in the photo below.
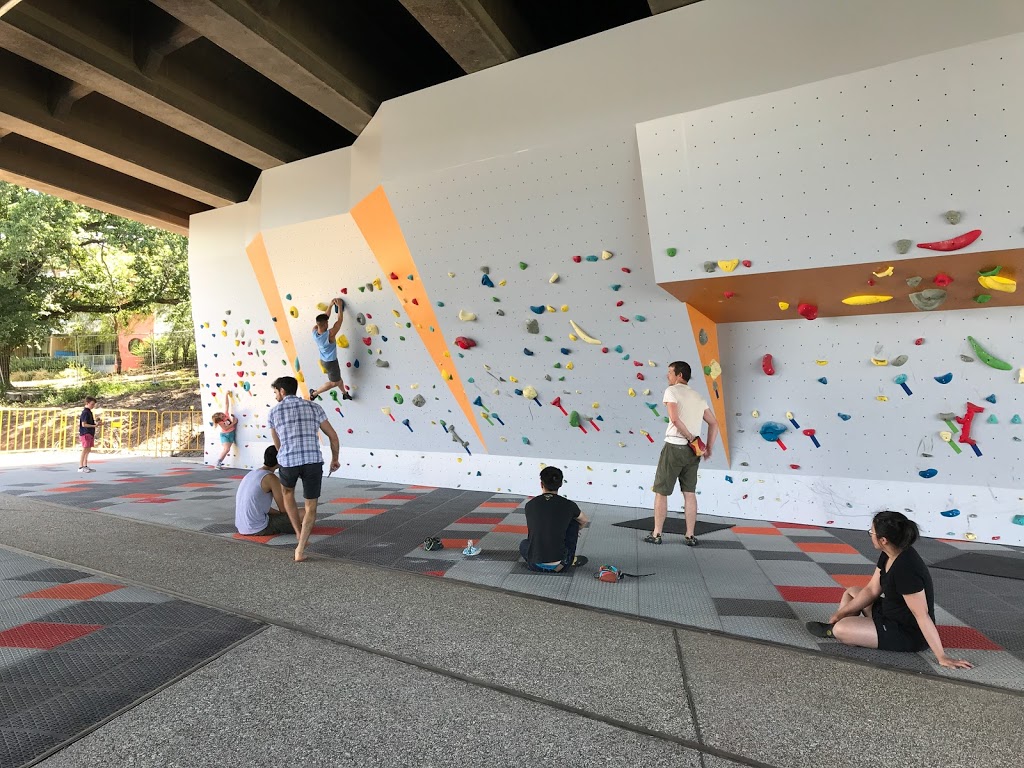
x=887, y=272
x=728, y=266
x=582, y=334
x=997, y=283
x=864, y=299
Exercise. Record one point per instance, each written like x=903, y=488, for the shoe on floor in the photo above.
x=652, y=539
x=578, y=561
x=345, y=396
x=691, y=541
x=819, y=629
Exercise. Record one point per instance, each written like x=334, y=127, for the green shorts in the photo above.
x=676, y=461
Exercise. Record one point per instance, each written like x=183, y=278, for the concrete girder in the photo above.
x=660, y=6
x=477, y=34
x=37, y=166
x=334, y=81
x=39, y=34
x=112, y=135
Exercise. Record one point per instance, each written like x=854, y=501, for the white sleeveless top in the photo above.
x=252, y=503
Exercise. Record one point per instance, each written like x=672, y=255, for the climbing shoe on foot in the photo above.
x=691, y=541
x=819, y=629
x=652, y=539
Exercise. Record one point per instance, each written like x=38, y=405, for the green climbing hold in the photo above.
x=557, y=365
x=574, y=419
x=640, y=318
x=982, y=298
x=707, y=370
x=440, y=303
x=1015, y=419
x=547, y=338
x=986, y=357
x=495, y=298
x=522, y=265
x=398, y=398
x=990, y=272
x=470, y=379
x=671, y=251
x=591, y=258
x=992, y=419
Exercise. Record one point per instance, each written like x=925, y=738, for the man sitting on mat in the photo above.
x=254, y=513
x=896, y=610
x=554, y=525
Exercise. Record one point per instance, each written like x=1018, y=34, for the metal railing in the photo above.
x=147, y=433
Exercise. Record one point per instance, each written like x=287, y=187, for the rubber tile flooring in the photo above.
x=757, y=579
x=76, y=649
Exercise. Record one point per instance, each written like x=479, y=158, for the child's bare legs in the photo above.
x=225, y=449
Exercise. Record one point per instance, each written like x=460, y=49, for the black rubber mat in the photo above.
x=673, y=525
x=987, y=565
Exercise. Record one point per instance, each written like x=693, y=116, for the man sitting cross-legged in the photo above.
x=554, y=525
x=255, y=515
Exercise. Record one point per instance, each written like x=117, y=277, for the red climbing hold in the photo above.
x=619, y=303
x=794, y=466
x=638, y=364
x=393, y=276
x=368, y=340
x=919, y=342
x=808, y=311
x=577, y=259
x=728, y=294
x=953, y=244
x=464, y=343
x=627, y=270
x=871, y=282
x=747, y=263
x=345, y=291
x=942, y=280
x=416, y=302
x=766, y=365
x=605, y=350
x=623, y=319
x=557, y=402
x=640, y=376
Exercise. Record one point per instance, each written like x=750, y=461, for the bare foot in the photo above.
x=299, y=557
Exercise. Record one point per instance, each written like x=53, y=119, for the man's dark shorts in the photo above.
x=311, y=474
x=676, y=462
x=332, y=368
x=276, y=524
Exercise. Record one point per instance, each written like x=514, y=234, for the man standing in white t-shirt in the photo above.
x=680, y=455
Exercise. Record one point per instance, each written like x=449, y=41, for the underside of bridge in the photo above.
x=158, y=109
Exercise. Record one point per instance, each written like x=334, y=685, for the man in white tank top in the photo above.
x=255, y=514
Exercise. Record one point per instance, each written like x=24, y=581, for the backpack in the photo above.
x=612, y=575
x=432, y=543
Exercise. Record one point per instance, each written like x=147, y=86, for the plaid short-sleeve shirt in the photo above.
x=297, y=423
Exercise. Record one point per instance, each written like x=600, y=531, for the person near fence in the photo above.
x=295, y=425
x=228, y=425
x=87, y=424
x=259, y=491
x=326, y=342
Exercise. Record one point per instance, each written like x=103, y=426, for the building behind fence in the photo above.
x=149, y=433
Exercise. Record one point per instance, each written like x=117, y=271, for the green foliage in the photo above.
x=106, y=388
x=51, y=364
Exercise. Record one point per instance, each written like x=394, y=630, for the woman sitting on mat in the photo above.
x=896, y=610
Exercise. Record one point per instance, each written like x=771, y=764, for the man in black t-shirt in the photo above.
x=87, y=424
x=554, y=527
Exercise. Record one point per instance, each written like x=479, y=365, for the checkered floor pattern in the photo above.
x=75, y=649
x=758, y=580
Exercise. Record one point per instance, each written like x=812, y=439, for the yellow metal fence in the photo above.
x=150, y=433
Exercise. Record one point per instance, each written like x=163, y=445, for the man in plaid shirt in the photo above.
x=294, y=424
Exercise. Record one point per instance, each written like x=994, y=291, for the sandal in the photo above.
x=652, y=539
x=691, y=541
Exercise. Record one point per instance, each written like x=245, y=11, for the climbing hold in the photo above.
x=640, y=376
x=671, y=251
x=1018, y=520
x=844, y=416
x=1016, y=419
x=944, y=378
x=954, y=243
x=591, y=257
x=783, y=305
x=918, y=342
x=986, y=357
x=755, y=414
x=899, y=360
x=702, y=337
x=537, y=310
x=953, y=217
x=342, y=341
x=377, y=284
x=501, y=313
x=623, y=319
x=747, y=263
x=465, y=315
x=927, y=473
x=532, y=326
x=903, y=246
x=293, y=312
x=618, y=348
x=887, y=272
x=902, y=381
x=992, y=419
x=486, y=280
x=950, y=513
x=631, y=392
x=913, y=282
x=772, y=431
x=606, y=255
x=808, y=311
x=928, y=299
x=361, y=318
x=639, y=318
x=398, y=398
x=864, y=300
x=382, y=363
x=991, y=399
x=464, y=343
x=990, y=272
x=565, y=351
x=485, y=270
x=729, y=265
x=553, y=278
x=419, y=401
x=996, y=283
x=527, y=352
x=709, y=266
x=728, y=294
x=615, y=286
x=766, y=365
x=564, y=308
x=942, y=280
x=823, y=380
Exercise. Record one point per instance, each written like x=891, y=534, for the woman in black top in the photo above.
x=896, y=610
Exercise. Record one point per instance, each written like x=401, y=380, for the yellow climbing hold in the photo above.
x=396, y=313
x=881, y=398
x=728, y=266
x=549, y=309
x=322, y=307
x=647, y=391
x=865, y=299
x=715, y=369
x=553, y=278
x=879, y=361
x=414, y=386
x=465, y=315
x=529, y=393
x=945, y=436
x=502, y=282
x=821, y=362
x=445, y=375
x=293, y=312
x=570, y=365
x=606, y=255
x=997, y=283
x=573, y=337
x=632, y=392
x=783, y=305
x=343, y=341
x=372, y=330
x=299, y=377
x=755, y=414
x=583, y=335
x=446, y=353
x=513, y=379
x=1020, y=376
x=887, y=272
x=376, y=284
x=595, y=406
x=565, y=307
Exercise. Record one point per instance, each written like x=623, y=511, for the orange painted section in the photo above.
x=707, y=353
x=260, y=261
x=382, y=232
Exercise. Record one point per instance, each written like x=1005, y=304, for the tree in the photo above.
x=58, y=259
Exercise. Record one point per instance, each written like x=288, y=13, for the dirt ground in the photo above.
x=164, y=400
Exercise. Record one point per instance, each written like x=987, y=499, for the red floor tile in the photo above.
x=75, y=591
x=199, y=485
x=798, y=526
x=140, y=495
x=965, y=638
x=257, y=539
x=44, y=635
x=400, y=496
x=454, y=543
x=852, y=579
x=129, y=480
x=347, y=501
x=479, y=520
x=326, y=530
x=433, y=573
x=759, y=531
x=362, y=511
x=811, y=594
x=824, y=546
x=501, y=504
x=511, y=529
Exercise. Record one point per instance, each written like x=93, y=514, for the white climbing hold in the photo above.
x=553, y=278
x=583, y=335
x=465, y=315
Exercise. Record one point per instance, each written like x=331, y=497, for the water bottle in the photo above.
x=470, y=550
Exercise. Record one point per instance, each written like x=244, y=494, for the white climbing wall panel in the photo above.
x=835, y=172
x=493, y=170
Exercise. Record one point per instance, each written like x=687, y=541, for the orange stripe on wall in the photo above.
x=382, y=232
x=707, y=353
x=260, y=261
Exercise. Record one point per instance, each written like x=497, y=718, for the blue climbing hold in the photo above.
x=823, y=380
x=615, y=286
x=591, y=258
x=991, y=399
x=844, y=416
x=951, y=513
x=944, y=378
x=355, y=363
x=527, y=352
x=772, y=430
x=565, y=351
x=519, y=392
x=728, y=478
x=1015, y=419
x=926, y=473
x=486, y=280
x=537, y=310
x=992, y=419
x=599, y=418
x=479, y=402
x=1018, y=519
x=383, y=338
x=618, y=349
